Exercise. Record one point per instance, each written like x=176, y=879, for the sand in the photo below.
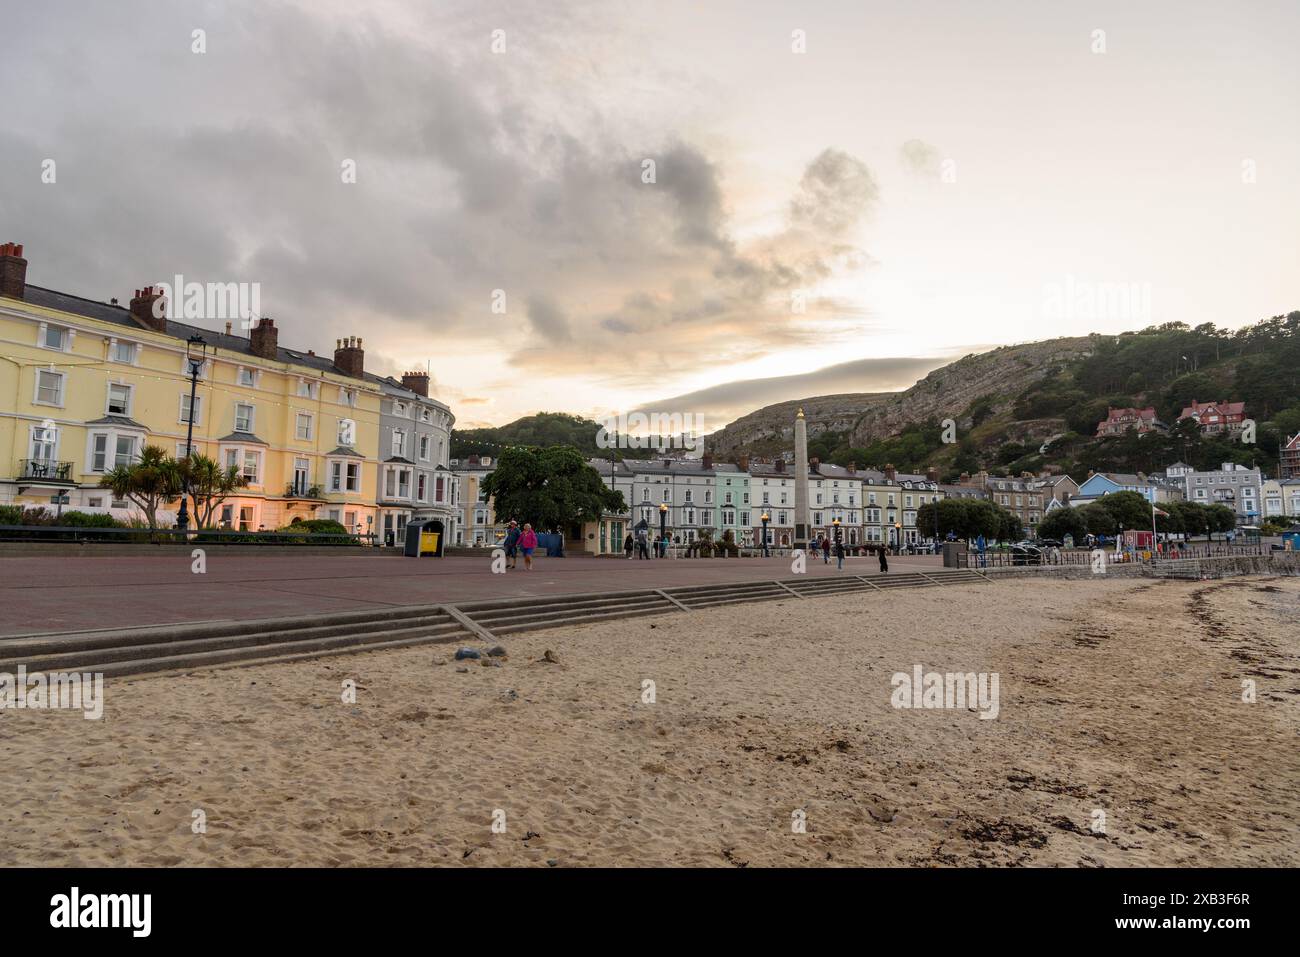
x=1119, y=696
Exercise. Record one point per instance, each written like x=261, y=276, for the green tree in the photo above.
x=209, y=485
x=548, y=488
x=150, y=482
x=1099, y=520
x=1220, y=518
x=1130, y=509
x=1063, y=521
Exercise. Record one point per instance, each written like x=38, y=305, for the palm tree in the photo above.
x=150, y=482
x=209, y=485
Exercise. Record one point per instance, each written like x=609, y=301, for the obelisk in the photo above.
x=800, y=481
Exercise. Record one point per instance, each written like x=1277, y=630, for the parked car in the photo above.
x=1049, y=543
x=1025, y=553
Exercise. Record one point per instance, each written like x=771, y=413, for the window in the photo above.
x=347, y=396
x=204, y=370
x=306, y=389
x=345, y=476
x=303, y=431
x=247, y=376
x=198, y=409
x=422, y=487
x=49, y=387
x=243, y=417
x=399, y=409
x=99, y=453
x=424, y=448
x=347, y=432
x=124, y=451
x=247, y=518
x=251, y=462
x=54, y=337
x=399, y=443
x=301, y=472
x=44, y=444
x=119, y=399
x=121, y=352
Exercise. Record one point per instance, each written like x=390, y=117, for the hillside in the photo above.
x=973, y=386
x=1036, y=406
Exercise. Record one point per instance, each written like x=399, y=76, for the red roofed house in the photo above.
x=1213, y=417
x=1119, y=421
x=1291, y=457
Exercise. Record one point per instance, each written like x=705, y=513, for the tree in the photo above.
x=149, y=483
x=1220, y=518
x=1129, y=509
x=1099, y=520
x=209, y=485
x=549, y=488
x=1061, y=522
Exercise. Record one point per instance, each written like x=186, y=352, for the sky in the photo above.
x=692, y=206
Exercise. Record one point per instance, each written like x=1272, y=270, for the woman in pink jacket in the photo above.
x=527, y=542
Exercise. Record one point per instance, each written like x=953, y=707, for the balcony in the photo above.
x=303, y=490
x=45, y=472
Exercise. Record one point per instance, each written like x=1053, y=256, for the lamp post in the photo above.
x=765, y=518
x=196, y=350
x=836, y=536
x=663, y=529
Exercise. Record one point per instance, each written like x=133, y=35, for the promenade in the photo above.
x=51, y=593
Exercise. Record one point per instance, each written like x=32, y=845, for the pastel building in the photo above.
x=86, y=385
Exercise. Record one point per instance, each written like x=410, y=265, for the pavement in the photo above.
x=41, y=594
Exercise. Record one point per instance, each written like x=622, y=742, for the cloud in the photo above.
x=920, y=158
x=725, y=403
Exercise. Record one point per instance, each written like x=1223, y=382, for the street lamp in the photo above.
x=836, y=536
x=898, y=537
x=196, y=351
x=663, y=529
x=765, y=519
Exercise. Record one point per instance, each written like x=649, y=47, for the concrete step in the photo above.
x=72, y=660
x=295, y=650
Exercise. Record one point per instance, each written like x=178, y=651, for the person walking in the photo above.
x=826, y=550
x=642, y=545
x=527, y=542
x=512, y=543
x=839, y=555
x=884, y=562
x=627, y=546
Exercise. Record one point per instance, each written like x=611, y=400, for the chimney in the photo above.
x=473, y=460
x=228, y=328
x=853, y=468
x=932, y=474
x=890, y=472
x=743, y=463
x=264, y=339
x=814, y=462
x=349, y=358
x=780, y=465
x=668, y=463
x=147, y=309
x=13, y=271
x=417, y=382
x=707, y=462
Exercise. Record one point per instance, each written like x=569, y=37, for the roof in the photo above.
x=121, y=316
x=123, y=421
x=244, y=437
x=1223, y=408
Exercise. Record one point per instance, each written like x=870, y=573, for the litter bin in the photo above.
x=954, y=554
x=423, y=539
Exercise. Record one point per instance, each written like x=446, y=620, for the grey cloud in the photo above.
x=920, y=158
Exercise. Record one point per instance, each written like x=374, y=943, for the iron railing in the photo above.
x=46, y=469
x=174, y=536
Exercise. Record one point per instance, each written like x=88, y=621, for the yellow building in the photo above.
x=85, y=385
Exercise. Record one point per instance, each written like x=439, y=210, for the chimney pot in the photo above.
x=349, y=358
x=143, y=307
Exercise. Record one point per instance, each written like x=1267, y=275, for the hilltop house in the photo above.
x=1215, y=418
x=1119, y=421
x=1290, y=458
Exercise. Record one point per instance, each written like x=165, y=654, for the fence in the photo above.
x=1083, y=556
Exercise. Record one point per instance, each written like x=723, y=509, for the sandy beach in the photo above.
x=1120, y=696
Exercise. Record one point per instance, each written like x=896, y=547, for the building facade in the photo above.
x=1216, y=418
x=1119, y=421
x=86, y=385
x=415, y=482
x=1236, y=486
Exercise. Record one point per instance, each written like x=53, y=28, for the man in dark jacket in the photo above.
x=884, y=562
x=512, y=543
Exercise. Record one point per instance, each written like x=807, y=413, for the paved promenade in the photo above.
x=50, y=594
